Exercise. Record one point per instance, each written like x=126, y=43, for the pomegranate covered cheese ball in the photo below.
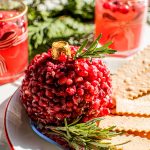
x=67, y=82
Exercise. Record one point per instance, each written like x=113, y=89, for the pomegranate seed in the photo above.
x=74, y=107
x=85, y=119
x=53, y=73
x=27, y=92
x=49, y=69
x=34, y=90
x=71, y=74
x=59, y=116
x=62, y=80
x=49, y=93
x=69, y=81
x=29, y=109
x=61, y=93
x=104, y=111
x=75, y=100
x=59, y=74
x=96, y=104
x=69, y=104
x=49, y=81
x=50, y=64
x=69, y=109
x=87, y=84
x=107, y=5
x=83, y=73
x=114, y=8
x=91, y=89
x=63, y=106
x=62, y=58
x=57, y=108
x=124, y=9
x=111, y=104
x=89, y=98
x=95, y=83
x=42, y=104
x=36, y=98
x=104, y=85
x=79, y=79
x=71, y=91
x=80, y=92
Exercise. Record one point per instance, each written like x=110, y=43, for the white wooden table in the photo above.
x=8, y=89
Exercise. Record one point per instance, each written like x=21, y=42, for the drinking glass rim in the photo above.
x=25, y=8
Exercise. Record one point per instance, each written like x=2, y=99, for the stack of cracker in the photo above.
x=131, y=93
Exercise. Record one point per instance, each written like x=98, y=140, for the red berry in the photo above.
x=114, y=8
x=107, y=5
x=62, y=58
x=124, y=9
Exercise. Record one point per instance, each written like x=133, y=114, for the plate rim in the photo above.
x=5, y=126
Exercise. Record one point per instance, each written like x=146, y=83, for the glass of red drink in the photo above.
x=13, y=40
x=122, y=22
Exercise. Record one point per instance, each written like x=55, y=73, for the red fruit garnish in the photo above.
x=62, y=58
x=124, y=9
x=107, y=5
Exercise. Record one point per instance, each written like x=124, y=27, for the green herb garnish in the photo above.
x=86, y=135
x=94, y=51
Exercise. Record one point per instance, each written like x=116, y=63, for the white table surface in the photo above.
x=8, y=89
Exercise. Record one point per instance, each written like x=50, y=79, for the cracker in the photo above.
x=140, y=106
x=136, y=142
x=126, y=123
x=133, y=79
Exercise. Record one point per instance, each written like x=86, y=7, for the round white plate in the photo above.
x=18, y=130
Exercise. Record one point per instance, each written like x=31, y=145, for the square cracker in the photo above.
x=136, y=142
x=126, y=123
x=140, y=106
x=133, y=79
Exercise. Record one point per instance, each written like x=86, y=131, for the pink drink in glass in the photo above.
x=13, y=45
x=121, y=21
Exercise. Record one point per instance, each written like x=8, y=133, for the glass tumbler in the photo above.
x=122, y=22
x=13, y=40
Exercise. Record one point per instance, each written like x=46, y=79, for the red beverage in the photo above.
x=13, y=45
x=122, y=23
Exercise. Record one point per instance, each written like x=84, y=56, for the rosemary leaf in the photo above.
x=86, y=135
x=93, y=51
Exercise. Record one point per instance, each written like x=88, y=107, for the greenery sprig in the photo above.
x=93, y=51
x=86, y=135
x=51, y=20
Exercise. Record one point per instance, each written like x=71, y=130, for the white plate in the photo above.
x=19, y=133
x=18, y=130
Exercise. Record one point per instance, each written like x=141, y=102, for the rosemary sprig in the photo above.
x=94, y=51
x=85, y=135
